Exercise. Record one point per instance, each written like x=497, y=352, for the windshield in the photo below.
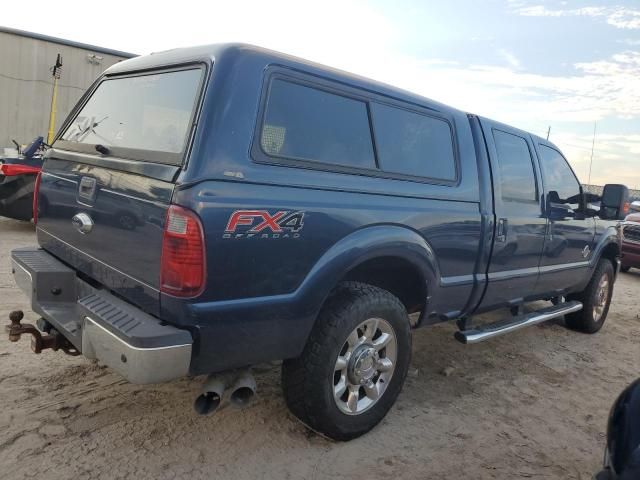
x=148, y=112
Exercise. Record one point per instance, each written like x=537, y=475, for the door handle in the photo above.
x=501, y=235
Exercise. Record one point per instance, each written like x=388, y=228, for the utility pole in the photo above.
x=593, y=144
x=56, y=71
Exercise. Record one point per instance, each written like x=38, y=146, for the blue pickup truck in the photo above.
x=206, y=209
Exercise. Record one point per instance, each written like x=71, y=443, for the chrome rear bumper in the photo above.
x=100, y=325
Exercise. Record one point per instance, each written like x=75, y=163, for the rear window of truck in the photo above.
x=144, y=117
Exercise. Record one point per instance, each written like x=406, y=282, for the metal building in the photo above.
x=26, y=81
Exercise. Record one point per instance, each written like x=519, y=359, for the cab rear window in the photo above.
x=146, y=117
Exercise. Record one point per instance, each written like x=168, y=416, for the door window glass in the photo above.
x=517, y=177
x=560, y=183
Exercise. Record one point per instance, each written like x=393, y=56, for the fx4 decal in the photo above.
x=263, y=224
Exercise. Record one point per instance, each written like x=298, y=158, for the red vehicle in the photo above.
x=17, y=180
x=631, y=242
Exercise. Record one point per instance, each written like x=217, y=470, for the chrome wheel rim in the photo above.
x=601, y=297
x=364, y=366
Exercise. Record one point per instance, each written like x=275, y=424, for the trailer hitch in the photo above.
x=55, y=341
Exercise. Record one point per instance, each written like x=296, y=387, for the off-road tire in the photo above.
x=584, y=320
x=308, y=381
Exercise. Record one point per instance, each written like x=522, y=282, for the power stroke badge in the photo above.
x=264, y=224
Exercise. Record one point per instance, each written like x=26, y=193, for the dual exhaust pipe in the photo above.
x=243, y=390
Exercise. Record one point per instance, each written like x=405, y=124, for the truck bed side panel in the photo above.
x=265, y=271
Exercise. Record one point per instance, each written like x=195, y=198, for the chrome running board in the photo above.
x=485, y=332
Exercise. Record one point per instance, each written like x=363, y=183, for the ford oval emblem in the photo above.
x=82, y=222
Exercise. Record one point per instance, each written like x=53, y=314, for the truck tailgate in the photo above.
x=105, y=222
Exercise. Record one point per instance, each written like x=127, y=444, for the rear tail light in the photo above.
x=36, y=191
x=13, y=169
x=182, y=269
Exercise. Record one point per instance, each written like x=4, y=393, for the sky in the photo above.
x=567, y=65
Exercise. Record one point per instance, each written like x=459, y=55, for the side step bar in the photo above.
x=512, y=324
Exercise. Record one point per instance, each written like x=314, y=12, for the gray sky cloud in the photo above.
x=617, y=16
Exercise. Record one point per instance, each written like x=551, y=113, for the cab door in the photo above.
x=520, y=224
x=570, y=233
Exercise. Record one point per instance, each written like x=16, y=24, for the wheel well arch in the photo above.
x=390, y=257
x=611, y=252
x=395, y=274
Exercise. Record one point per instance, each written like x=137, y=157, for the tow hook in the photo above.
x=39, y=342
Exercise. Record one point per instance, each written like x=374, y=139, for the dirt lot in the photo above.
x=529, y=405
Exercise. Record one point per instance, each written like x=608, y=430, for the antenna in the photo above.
x=593, y=144
x=548, y=132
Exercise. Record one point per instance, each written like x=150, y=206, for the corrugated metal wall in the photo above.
x=26, y=84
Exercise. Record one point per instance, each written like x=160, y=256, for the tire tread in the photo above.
x=582, y=321
x=302, y=392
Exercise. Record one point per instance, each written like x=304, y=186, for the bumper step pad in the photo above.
x=129, y=323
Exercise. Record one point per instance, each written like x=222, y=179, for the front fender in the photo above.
x=609, y=244
x=608, y=240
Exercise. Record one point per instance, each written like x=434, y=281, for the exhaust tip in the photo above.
x=243, y=396
x=244, y=390
x=211, y=397
x=207, y=403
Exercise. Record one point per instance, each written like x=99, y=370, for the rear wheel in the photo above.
x=595, y=298
x=354, y=364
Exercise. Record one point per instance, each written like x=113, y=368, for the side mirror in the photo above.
x=560, y=212
x=560, y=209
x=614, y=204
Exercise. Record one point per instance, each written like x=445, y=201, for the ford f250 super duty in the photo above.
x=206, y=209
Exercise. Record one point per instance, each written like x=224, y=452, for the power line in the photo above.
x=46, y=82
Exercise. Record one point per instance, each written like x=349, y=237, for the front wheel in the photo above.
x=354, y=364
x=595, y=298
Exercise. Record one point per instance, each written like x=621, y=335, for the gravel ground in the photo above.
x=532, y=404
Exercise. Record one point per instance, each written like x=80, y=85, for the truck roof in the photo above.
x=224, y=55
